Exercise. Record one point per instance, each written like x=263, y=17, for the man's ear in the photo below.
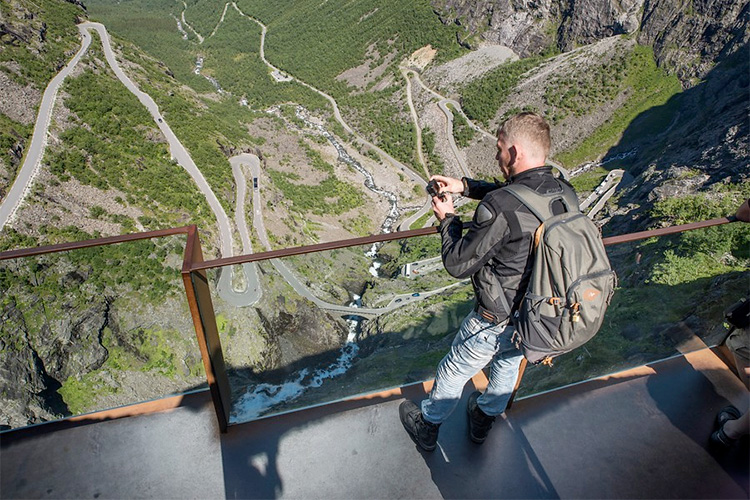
x=515, y=154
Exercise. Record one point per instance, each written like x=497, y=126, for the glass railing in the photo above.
x=94, y=328
x=108, y=322
x=336, y=323
x=331, y=324
x=672, y=294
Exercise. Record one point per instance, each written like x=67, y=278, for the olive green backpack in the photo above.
x=571, y=281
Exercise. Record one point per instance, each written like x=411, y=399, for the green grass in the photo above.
x=361, y=225
x=420, y=222
x=462, y=132
x=648, y=87
x=328, y=197
x=317, y=41
x=81, y=392
x=40, y=61
x=202, y=15
x=589, y=180
x=481, y=98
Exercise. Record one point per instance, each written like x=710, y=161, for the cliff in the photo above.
x=687, y=37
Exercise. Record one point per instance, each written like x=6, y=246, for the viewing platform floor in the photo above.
x=638, y=434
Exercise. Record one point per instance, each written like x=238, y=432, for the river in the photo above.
x=261, y=398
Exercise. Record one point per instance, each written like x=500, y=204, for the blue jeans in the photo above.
x=477, y=343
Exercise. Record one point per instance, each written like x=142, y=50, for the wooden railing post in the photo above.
x=204, y=320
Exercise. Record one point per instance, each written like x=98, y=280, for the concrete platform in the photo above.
x=639, y=434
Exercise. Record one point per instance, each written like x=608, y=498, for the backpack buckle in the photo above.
x=576, y=312
x=554, y=301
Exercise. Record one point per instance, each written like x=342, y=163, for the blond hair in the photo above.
x=528, y=128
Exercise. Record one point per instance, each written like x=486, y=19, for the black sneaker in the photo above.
x=422, y=432
x=479, y=422
x=719, y=438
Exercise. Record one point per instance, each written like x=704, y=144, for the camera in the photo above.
x=433, y=188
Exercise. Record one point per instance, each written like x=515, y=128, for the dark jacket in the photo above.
x=495, y=250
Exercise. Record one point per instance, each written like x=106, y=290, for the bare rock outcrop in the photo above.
x=686, y=40
x=689, y=41
x=533, y=27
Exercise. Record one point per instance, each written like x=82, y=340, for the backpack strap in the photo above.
x=541, y=204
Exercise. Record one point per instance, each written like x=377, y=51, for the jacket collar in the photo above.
x=532, y=172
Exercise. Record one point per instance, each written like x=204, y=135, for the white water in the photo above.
x=212, y=80
x=374, y=268
x=593, y=164
x=263, y=397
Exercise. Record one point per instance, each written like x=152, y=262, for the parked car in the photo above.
x=255, y=182
x=415, y=295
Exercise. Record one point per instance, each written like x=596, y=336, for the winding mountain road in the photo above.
x=24, y=180
x=415, y=119
x=336, y=112
x=25, y=177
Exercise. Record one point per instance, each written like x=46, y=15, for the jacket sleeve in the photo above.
x=477, y=190
x=464, y=255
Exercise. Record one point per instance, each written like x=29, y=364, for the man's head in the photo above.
x=523, y=142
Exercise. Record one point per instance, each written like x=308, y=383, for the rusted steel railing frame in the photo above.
x=201, y=305
x=664, y=231
x=198, y=298
x=98, y=242
x=319, y=247
x=206, y=328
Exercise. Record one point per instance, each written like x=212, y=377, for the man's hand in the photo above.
x=743, y=213
x=442, y=208
x=449, y=184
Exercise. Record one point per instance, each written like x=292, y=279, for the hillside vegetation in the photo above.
x=108, y=326
x=37, y=39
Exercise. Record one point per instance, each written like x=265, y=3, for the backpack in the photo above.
x=571, y=281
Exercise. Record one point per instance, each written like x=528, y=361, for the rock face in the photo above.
x=58, y=350
x=688, y=40
x=588, y=21
x=691, y=39
x=707, y=142
x=526, y=28
x=531, y=27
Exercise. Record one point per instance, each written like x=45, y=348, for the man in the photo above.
x=495, y=252
x=732, y=424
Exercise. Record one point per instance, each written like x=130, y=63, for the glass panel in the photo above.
x=671, y=289
x=92, y=329
x=300, y=345
x=338, y=323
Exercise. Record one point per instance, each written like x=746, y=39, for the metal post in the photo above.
x=521, y=370
x=204, y=320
